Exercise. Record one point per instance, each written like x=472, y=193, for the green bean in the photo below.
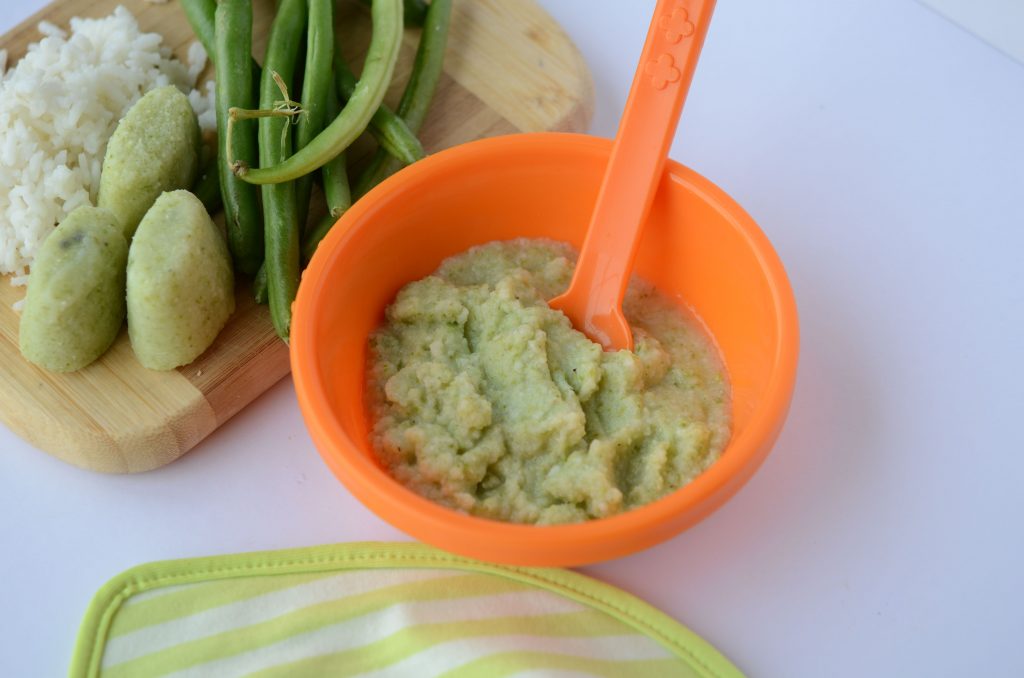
x=428, y=66
x=353, y=119
x=207, y=188
x=200, y=16
x=316, y=234
x=336, y=187
x=336, y=191
x=233, y=50
x=315, y=89
x=387, y=128
x=335, y=172
x=259, y=285
x=414, y=11
x=426, y=73
x=279, y=208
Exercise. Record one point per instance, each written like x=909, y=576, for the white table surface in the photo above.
x=882, y=150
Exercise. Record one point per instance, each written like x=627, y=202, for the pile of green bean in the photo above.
x=266, y=206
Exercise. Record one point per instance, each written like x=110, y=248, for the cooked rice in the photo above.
x=58, y=107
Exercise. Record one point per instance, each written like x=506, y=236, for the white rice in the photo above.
x=58, y=107
x=196, y=59
x=50, y=29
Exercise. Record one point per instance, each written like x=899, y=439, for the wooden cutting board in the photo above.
x=509, y=68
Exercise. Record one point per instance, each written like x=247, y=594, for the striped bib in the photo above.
x=381, y=610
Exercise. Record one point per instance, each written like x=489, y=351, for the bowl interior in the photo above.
x=698, y=246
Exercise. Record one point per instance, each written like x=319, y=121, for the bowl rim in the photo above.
x=639, y=527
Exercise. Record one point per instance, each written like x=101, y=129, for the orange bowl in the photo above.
x=698, y=246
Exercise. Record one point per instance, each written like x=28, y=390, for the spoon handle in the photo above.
x=637, y=161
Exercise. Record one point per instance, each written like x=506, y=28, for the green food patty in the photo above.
x=180, y=283
x=75, y=302
x=155, y=148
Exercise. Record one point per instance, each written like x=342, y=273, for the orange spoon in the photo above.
x=593, y=301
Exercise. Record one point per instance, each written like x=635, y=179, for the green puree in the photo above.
x=487, y=401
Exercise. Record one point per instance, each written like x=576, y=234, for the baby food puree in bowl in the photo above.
x=697, y=246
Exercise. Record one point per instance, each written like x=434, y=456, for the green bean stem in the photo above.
x=387, y=128
x=315, y=89
x=353, y=119
x=279, y=209
x=233, y=50
x=426, y=73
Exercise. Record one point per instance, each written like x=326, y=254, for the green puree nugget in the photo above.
x=155, y=148
x=180, y=283
x=75, y=303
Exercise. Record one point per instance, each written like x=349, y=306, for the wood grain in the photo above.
x=509, y=68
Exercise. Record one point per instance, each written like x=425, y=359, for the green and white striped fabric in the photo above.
x=381, y=610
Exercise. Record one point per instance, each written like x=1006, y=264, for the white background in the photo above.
x=998, y=22
x=880, y=147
